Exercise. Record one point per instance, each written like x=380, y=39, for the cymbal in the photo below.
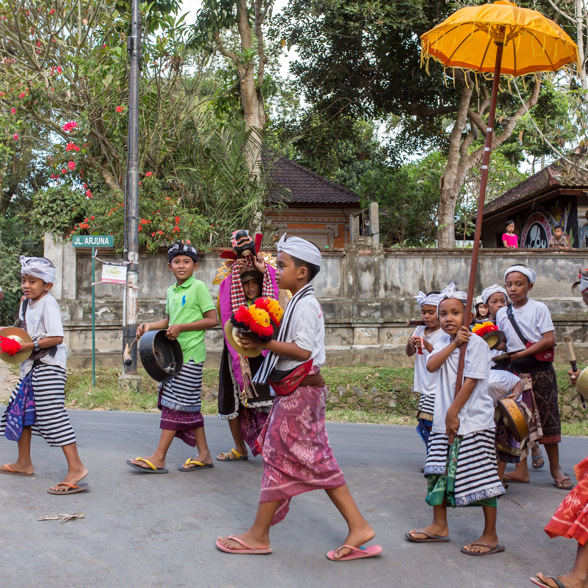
x=21, y=336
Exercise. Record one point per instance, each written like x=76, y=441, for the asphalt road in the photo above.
x=146, y=530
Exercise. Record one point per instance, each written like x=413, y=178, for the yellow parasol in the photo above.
x=502, y=38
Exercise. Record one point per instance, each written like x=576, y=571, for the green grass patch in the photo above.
x=383, y=395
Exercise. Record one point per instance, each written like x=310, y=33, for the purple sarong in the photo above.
x=183, y=423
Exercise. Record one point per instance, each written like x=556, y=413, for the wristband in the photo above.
x=36, y=347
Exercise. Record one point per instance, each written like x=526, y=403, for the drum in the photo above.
x=513, y=418
x=161, y=357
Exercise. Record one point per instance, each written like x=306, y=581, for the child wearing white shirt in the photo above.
x=464, y=472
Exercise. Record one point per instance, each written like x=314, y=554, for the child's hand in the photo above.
x=142, y=329
x=246, y=342
x=573, y=376
x=259, y=264
x=515, y=396
x=451, y=423
x=173, y=332
x=414, y=341
x=462, y=336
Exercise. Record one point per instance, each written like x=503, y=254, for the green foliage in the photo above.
x=58, y=208
x=408, y=198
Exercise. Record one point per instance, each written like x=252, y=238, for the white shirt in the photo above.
x=477, y=413
x=43, y=319
x=308, y=332
x=425, y=382
x=533, y=319
x=501, y=384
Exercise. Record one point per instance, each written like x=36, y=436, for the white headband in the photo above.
x=38, y=267
x=451, y=291
x=300, y=248
x=523, y=269
x=494, y=289
x=431, y=299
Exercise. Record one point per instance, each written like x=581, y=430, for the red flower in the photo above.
x=63, y=171
x=72, y=147
x=176, y=229
x=59, y=70
x=13, y=111
x=70, y=126
x=92, y=217
x=160, y=232
x=119, y=109
x=90, y=195
x=149, y=174
x=15, y=136
x=71, y=165
x=22, y=95
x=51, y=11
x=177, y=219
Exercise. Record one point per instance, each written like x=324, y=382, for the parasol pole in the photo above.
x=480, y=212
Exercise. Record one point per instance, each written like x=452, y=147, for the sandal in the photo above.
x=232, y=455
x=564, y=484
x=538, y=462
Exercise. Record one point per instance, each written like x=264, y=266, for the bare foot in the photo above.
x=433, y=529
x=17, y=469
x=248, y=538
x=514, y=479
x=356, y=538
x=569, y=581
x=73, y=477
x=158, y=463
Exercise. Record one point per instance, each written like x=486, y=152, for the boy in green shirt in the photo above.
x=190, y=311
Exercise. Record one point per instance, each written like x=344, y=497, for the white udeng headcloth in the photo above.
x=494, y=289
x=451, y=291
x=431, y=299
x=300, y=248
x=38, y=267
x=523, y=269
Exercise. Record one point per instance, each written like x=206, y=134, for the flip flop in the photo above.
x=492, y=549
x=430, y=537
x=197, y=465
x=232, y=455
x=6, y=469
x=560, y=484
x=148, y=470
x=538, y=582
x=355, y=553
x=535, y=462
x=72, y=488
x=248, y=550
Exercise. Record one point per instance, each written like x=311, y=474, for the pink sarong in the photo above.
x=295, y=446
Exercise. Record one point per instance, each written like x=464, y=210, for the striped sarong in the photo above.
x=475, y=469
x=182, y=393
x=426, y=408
x=52, y=421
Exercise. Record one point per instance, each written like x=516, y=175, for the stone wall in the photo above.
x=366, y=293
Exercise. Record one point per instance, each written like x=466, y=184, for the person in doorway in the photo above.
x=558, y=240
x=509, y=239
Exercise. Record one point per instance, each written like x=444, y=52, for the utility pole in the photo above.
x=131, y=309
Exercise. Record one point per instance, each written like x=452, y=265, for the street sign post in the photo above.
x=93, y=241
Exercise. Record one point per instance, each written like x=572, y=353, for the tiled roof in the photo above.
x=559, y=174
x=296, y=184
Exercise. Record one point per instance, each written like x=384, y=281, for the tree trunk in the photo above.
x=450, y=185
x=251, y=99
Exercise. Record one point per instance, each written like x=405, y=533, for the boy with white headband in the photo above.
x=530, y=339
x=467, y=416
x=43, y=373
x=294, y=444
x=422, y=342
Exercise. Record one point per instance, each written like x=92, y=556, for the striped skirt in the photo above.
x=426, y=408
x=182, y=392
x=52, y=422
x=476, y=475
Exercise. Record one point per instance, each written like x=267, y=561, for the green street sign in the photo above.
x=93, y=241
